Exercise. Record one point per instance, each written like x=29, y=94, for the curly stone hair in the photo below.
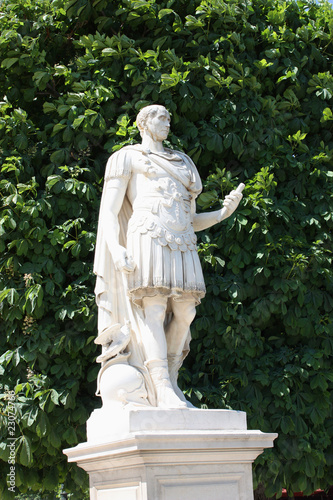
x=144, y=113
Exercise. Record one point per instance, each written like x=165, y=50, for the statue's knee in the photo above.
x=190, y=314
x=155, y=312
x=185, y=314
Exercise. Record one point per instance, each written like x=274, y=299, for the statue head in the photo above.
x=147, y=114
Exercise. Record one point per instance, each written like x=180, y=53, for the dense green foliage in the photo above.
x=249, y=86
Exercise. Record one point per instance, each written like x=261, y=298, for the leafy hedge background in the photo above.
x=249, y=85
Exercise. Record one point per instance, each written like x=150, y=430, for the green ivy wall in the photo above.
x=249, y=86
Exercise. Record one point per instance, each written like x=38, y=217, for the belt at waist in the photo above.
x=152, y=226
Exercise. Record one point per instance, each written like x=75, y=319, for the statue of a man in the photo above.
x=149, y=277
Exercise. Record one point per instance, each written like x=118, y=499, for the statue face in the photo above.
x=158, y=125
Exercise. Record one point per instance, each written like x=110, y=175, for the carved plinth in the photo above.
x=180, y=454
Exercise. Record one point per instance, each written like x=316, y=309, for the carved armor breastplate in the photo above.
x=164, y=211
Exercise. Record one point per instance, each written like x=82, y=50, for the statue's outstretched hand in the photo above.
x=122, y=260
x=231, y=202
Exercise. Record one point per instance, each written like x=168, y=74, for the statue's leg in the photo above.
x=155, y=345
x=176, y=334
x=177, y=331
x=154, y=337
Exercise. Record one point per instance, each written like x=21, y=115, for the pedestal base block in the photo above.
x=171, y=455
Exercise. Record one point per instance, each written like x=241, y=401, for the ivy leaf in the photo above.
x=25, y=451
x=11, y=294
x=32, y=416
x=8, y=62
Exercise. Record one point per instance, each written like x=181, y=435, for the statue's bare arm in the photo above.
x=115, y=193
x=208, y=219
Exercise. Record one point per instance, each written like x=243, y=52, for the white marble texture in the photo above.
x=173, y=455
x=126, y=421
x=149, y=277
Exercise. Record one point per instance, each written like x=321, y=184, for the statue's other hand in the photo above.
x=123, y=261
x=231, y=202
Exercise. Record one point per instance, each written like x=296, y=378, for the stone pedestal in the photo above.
x=156, y=454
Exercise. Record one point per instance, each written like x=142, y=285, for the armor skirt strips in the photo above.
x=161, y=271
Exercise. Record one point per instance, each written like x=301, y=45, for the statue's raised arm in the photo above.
x=208, y=219
x=149, y=277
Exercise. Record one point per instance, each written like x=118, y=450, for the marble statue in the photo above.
x=149, y=277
